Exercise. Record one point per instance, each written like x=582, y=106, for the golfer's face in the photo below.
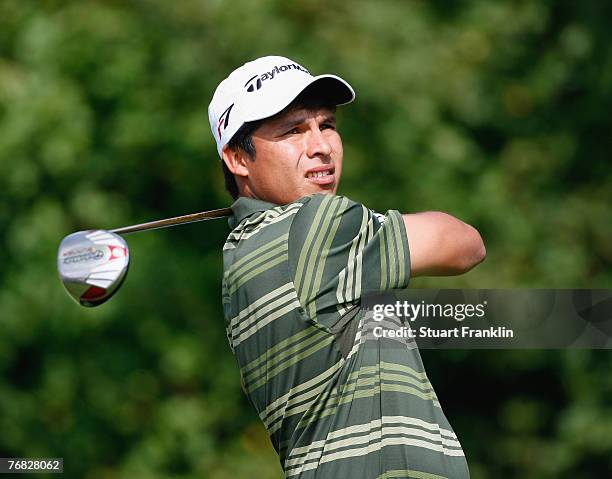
x=297, y=154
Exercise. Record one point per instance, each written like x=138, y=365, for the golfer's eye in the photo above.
x=328, y=126
x=293, y=131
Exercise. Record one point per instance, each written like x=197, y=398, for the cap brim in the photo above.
x=330, y=88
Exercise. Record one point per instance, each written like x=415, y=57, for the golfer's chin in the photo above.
x=300, y=191
x=326, y=184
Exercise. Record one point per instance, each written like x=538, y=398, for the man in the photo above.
x=337, y=401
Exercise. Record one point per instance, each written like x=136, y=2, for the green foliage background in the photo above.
x=496, y=112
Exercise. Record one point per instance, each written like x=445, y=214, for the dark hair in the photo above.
x=309, y=99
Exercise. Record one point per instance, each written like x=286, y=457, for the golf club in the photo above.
x=93, y=264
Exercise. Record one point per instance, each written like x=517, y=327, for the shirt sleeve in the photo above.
x=339, y=250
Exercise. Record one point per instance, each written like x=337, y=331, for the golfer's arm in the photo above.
x=442, y=245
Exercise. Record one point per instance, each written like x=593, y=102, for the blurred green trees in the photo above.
x=497, y=112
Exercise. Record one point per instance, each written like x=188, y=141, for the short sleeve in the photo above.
x=339, y=250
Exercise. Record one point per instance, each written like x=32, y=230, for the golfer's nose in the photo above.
x=318, y=144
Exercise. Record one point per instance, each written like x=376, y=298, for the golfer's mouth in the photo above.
x=321, y=175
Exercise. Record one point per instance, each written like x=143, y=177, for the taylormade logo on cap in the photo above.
x=256, y=81
x=243, y=96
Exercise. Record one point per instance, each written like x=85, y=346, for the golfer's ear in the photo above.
x=236, y=160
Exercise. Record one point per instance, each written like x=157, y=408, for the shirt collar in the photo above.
x=244, y=207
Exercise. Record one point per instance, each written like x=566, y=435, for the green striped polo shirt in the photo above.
x=337, y=400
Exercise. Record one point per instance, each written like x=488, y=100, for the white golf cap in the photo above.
x=263, y=87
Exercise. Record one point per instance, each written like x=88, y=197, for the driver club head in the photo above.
x=92, y=265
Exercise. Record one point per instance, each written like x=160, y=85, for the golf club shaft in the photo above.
x=178, y=220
